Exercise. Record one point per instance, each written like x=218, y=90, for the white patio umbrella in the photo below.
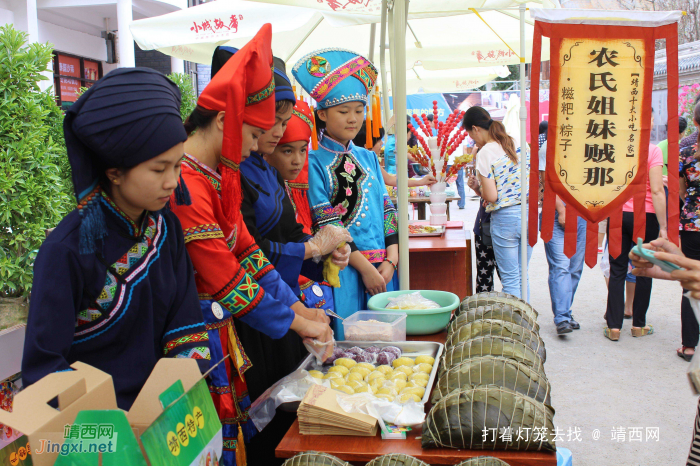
x=418, y=79
x=463, y=41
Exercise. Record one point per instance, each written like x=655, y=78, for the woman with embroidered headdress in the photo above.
x=234, y=278
x=113, y=284
x=345, y=181
x=270, y=219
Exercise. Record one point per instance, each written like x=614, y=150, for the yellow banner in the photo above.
x=598, y=128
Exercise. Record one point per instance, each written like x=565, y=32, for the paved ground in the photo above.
x=599, y=385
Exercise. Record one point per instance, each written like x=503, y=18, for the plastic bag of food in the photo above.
x=320, y=350
x=411, y=301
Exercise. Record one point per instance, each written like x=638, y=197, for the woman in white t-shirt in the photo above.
x=498, y=173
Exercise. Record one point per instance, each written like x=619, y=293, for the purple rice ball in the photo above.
x=355, y=350
x=373, y=349
x=392, y=349
x=337, y=352
x=385, y=358
x=366, y=356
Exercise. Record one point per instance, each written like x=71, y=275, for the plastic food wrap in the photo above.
x=483, y=461
x=498, y=311
x=486, y=327
x=322, y=351
x=314, y=458
x=396, y=459
x=411, y=301
x=494, y=371
x=458, y=420
x=492, y=346
x=493, y=297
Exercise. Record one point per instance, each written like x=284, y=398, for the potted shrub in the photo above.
x=35, y=189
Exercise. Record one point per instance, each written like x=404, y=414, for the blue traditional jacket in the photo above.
x=346, y=188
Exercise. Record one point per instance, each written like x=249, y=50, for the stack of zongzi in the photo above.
x=492, y=380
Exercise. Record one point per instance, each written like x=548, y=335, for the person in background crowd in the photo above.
x=121, y=240
x=234, y=278
x=564, y=273
x=689, y=278
x=498, y=174
x=689, y=176
x=655, y=207
x=692, y=139
x=663, y=145
x=544, y=126
x=483, y=244
x=345, y=182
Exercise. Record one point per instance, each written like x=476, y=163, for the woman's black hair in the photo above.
x=361, y=138
x=543, y=127
x=199, y=118
x=682, y=125
x=320, y=124
x=478, y=116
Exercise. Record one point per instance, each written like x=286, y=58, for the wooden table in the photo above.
x=360, y=450
x=421, y=201
x=442, y=262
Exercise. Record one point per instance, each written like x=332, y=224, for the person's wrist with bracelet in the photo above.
x=393, y=264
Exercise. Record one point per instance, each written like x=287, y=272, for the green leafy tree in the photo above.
x=35, y=189
x=189, y=96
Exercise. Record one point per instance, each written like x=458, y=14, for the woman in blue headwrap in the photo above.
x=113, y=284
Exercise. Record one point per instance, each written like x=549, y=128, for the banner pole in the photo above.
x=523, y=161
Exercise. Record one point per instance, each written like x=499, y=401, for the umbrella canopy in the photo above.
x=418, y=79
x=438, y=43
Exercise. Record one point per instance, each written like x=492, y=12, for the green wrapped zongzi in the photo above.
x=492, y=346
x=493, y=297
x=314, y=458
x=504, y=312
x=480, y=328
x=489, y=418
x=396, y=459
x=490, y=370
x=483, y=461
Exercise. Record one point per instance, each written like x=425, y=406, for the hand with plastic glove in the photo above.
x=341, y=256
x=326, y=241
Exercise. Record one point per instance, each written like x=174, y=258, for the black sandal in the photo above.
x=682, y=354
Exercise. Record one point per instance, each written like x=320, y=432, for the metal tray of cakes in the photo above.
x=411, y=349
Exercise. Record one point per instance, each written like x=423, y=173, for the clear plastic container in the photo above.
x=375, y=326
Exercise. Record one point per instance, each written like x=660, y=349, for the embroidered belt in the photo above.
x=375, y=256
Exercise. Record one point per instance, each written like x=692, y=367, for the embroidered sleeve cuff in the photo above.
x=253, y=260
x=241, y=294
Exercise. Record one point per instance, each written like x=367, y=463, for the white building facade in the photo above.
x=89, y=37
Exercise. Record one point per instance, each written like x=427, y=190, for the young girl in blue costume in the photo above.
x=113, y=284
x=345, y=181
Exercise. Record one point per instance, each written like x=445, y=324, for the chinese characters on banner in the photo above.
x=596, y=149
x=69, y=66
x=601, y=77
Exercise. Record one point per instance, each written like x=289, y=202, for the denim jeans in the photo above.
x=505, y=235
x=564, y=273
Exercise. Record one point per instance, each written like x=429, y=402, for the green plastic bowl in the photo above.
x=420, y=321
